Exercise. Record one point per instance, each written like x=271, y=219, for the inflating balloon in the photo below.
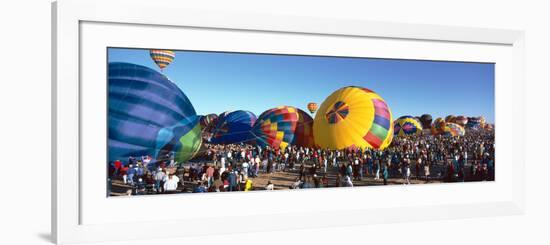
x=276, y=127
x=453, y=129
x=438, y=127
x=353, y=117
x=149, y=115
x=461, y=120
x=475, y=123
x=406, y=125
x=234, y=127
x=162, y=58
x=312, y=107
x=426, y=120
x=449, y=118
x=208, y=121
x=303, y=136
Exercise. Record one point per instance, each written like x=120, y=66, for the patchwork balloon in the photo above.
x=353, y=117
x=149, y=115
x=234, y=127
x=406, y=125
x=276, y=127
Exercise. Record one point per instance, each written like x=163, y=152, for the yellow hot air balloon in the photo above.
x=407, y=125
x=162, y=58
x=353, y=117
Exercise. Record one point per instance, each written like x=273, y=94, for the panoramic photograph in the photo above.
x=186, y=121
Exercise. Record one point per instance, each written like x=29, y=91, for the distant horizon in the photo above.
x=216, y=82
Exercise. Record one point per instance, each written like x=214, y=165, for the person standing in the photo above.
x=232, y=179
x=377, y=169
x=426, y=171
x=210, y=175
x=385, y=174
x=171, y=184
x=159, y=177
x=408, y=172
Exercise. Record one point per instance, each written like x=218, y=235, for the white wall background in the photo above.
x=25, y=121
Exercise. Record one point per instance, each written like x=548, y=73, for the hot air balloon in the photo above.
x=406, y=125
x=426, y=120
x=234, y=127
x=453, y=129
x=275, y=127
x=208, y=121
x=353, y=117
x=482, y=121
x=303, y=136
x=474, y=123
x=438, y=126
x=161, y=57
x=449, y=118
x=149, y=115
x=312, y=107
x=461, y=120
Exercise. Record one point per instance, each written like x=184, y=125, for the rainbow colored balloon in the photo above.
x=407, y=125
x=162, y=58
x=149, y=115
x=453, y=129
x=353, y=117
x=276, y=127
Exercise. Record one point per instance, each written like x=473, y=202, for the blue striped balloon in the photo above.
x=149, y=115
x=234, y=127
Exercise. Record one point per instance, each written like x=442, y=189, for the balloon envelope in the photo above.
x=475, y=123
x=149, y=115
x=406, y=125
x=312, y=107
x=353, y=117
x=461, y=120
x=276, y=127
x=449, y=118
x=438, y=127
x=162, y=58
x=453, y=129
x=207, y=121
x=303, y=136
x=426, y=120
x=234, y=127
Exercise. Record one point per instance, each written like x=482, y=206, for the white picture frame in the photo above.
x=74, y=21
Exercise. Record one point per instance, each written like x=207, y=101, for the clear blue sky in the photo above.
x=217, y=82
